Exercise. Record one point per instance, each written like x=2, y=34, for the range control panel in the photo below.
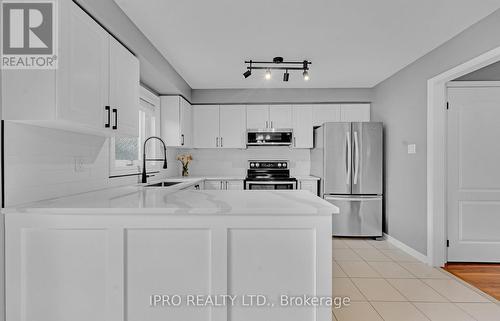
x=279, y=164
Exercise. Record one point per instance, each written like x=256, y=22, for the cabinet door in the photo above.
x=234, y=185
x=325, y=113
x=83, y=75
x=355, y=112
x=280, y=116
x=213, y=185
x=302, y=126
x=309, y=185
x=232, y=126
x=123, y=89
x=170, y=120
x=206, y=126
x=257, y=116
x=186, y=119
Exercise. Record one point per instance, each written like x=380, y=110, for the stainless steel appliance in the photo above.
x=349, y=159
x=269, y=136
x=269, y=175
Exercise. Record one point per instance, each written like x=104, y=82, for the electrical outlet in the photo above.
x=79, y=164
x=412, y=149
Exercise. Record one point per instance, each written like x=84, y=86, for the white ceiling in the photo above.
x=351, y=43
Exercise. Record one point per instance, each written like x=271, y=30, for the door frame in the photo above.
x=436, y=153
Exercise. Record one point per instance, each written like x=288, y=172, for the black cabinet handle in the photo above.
x=107, y=109
x=182, y=142
x=115, y=111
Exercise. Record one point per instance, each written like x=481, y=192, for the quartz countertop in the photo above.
x=173, y=200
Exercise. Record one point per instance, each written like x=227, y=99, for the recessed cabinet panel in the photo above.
x=167, y=261
x=213, y=185
x=123, y=89
x=206, y=126
x=325, y=113
x=65, y=275
x=302, y=126
x=176, y=121
x=355, y=112
x=186, y=119
x=232, y=126
x=257, y=116
x=280, y=116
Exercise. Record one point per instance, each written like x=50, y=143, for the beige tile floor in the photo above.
x=386, y=284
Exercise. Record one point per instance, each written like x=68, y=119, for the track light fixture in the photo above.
x=268, y=74
x=278, y=64
x=247, y=73
x=286, y=75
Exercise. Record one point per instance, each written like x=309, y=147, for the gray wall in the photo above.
x=156, y=71
x=488, y=73
x=401, y=103
x=280, y=95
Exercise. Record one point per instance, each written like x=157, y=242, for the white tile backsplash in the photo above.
x=233, y=162
x=40, y=163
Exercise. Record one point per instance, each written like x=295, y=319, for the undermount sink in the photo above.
x=163, y=184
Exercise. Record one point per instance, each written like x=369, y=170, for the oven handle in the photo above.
x=294, y=183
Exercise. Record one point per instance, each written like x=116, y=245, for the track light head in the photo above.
x=247, y=73
x=268, y=74
x=286, y=75
x=306, y=75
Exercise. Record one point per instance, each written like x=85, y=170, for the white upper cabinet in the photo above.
x=302, y=116
x=325, y=113
x=95, y=76
x=206, y=126
x=232, y=124
x=280, y=116
x=123, y=89
x=257, y=116
x=83, y=75
x=269, y=116
x=219, y=127
x=354, y=112
x=176, y=121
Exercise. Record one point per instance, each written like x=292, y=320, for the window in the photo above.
x=126, y=152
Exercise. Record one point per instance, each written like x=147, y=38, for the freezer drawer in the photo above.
x=359, y=215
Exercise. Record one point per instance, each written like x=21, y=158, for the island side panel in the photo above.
x=119, y=260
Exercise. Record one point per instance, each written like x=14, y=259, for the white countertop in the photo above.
x=173, y=200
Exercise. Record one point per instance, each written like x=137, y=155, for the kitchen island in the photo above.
x=138, y=253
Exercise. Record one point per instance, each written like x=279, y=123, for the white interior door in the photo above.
x=473, y=174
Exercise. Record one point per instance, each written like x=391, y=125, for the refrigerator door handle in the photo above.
x=348, y=158
x=356, y=157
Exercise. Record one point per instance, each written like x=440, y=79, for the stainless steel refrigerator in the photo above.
x=348, y=157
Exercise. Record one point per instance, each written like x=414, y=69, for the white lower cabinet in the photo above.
x=310, y=185
x=233, y=184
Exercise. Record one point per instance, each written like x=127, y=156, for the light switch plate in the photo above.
x=412, y=149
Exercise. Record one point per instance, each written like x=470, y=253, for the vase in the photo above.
x=185, y=171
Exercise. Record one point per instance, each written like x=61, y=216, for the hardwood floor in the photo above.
x=484, y=276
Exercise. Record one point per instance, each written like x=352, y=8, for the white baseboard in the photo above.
x=397, y=243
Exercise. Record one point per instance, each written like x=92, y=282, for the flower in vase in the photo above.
x=185, y=159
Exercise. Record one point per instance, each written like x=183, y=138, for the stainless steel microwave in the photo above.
x=269, y=137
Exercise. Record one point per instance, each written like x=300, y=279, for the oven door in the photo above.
x=270, y=185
